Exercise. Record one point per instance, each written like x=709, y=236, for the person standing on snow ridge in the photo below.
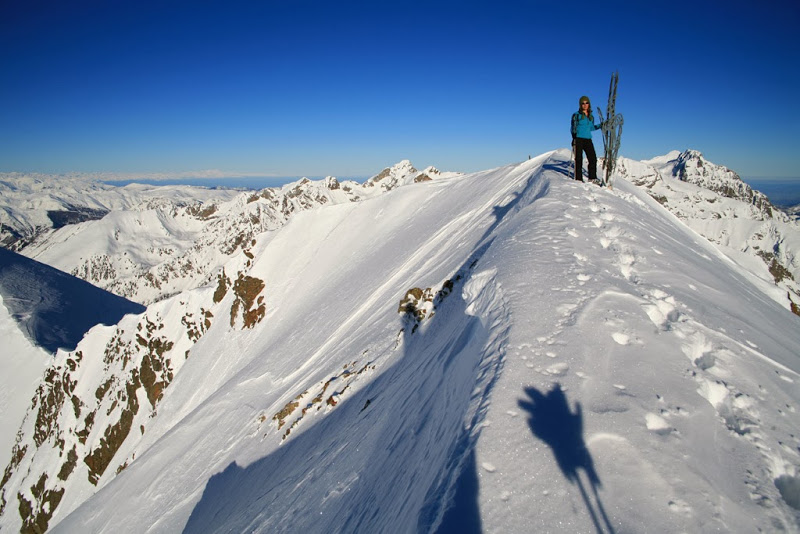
x=582, y=127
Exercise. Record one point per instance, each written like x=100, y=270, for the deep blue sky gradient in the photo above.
x=346, y=88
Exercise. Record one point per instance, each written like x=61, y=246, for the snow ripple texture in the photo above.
x=575, y=359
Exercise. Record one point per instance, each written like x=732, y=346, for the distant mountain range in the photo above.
x=426, y=351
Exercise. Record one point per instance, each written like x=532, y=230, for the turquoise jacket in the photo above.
x=583, y=126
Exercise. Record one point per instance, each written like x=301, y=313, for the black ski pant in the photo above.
x=581, y=146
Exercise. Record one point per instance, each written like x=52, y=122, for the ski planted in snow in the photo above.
x=612, y=131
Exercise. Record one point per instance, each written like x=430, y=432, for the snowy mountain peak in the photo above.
x=690, y=166
x=331, y=182
x=714, y=202
x=400, y=173
x=510, y=348
x=403, y=167
x=689, y=154
x=404, y=173
x=432, y=171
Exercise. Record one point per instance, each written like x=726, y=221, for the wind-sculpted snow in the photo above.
x=54, y=309
x=504, y=351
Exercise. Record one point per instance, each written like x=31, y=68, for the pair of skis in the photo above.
x=612, y=132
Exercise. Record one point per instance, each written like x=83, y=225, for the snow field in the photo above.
x=640, y=366
x=586, y=363
x=23, y=365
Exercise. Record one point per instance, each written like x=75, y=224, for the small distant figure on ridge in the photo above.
x=581, y=128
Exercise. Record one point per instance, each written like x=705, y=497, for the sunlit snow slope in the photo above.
x=505, y=351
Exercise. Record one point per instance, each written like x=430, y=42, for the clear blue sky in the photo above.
x=346, y=88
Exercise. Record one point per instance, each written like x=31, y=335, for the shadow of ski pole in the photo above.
x=551, y=420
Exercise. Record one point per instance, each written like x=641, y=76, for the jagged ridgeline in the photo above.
x=147, y=247
x=89, y=418
x=715, y=202
x=205, y=270
x=87, y=408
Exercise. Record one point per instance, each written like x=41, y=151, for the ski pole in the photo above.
x=572, y=160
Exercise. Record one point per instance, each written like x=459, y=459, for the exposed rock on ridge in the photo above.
x=715, y=202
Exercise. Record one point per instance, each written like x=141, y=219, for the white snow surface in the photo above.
x=23, y=364
x=586, y=363
x=156, y=242
x=25, y=199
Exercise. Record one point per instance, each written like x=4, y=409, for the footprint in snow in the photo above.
x=572, y=232
x=620, y=338
x=706, y=361
x=489, y=467
x=662, y=309
x=626, y=261
x=566, y=309
x=784, y=377
x=657, y=424
x=699, y=350
x=614, y=232
x=680, y=507
x=737, y=410
x=559, y=369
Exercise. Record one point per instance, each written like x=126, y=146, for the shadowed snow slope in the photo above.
x=504, y=351
x=55, y=309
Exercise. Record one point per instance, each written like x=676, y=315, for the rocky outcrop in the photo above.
x=715, y=202
x=690, y=166
x=75, y=215
x=91, y=409
x=324, y=395
x=248, y=302
x=421, y=304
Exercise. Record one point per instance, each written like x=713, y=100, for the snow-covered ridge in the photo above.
x=690, y=166
x=163, y=244
x=404, y=173
x=717, y=204
x=425, y=357
x=31, y=206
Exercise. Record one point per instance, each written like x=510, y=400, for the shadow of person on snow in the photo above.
x=551, y=420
